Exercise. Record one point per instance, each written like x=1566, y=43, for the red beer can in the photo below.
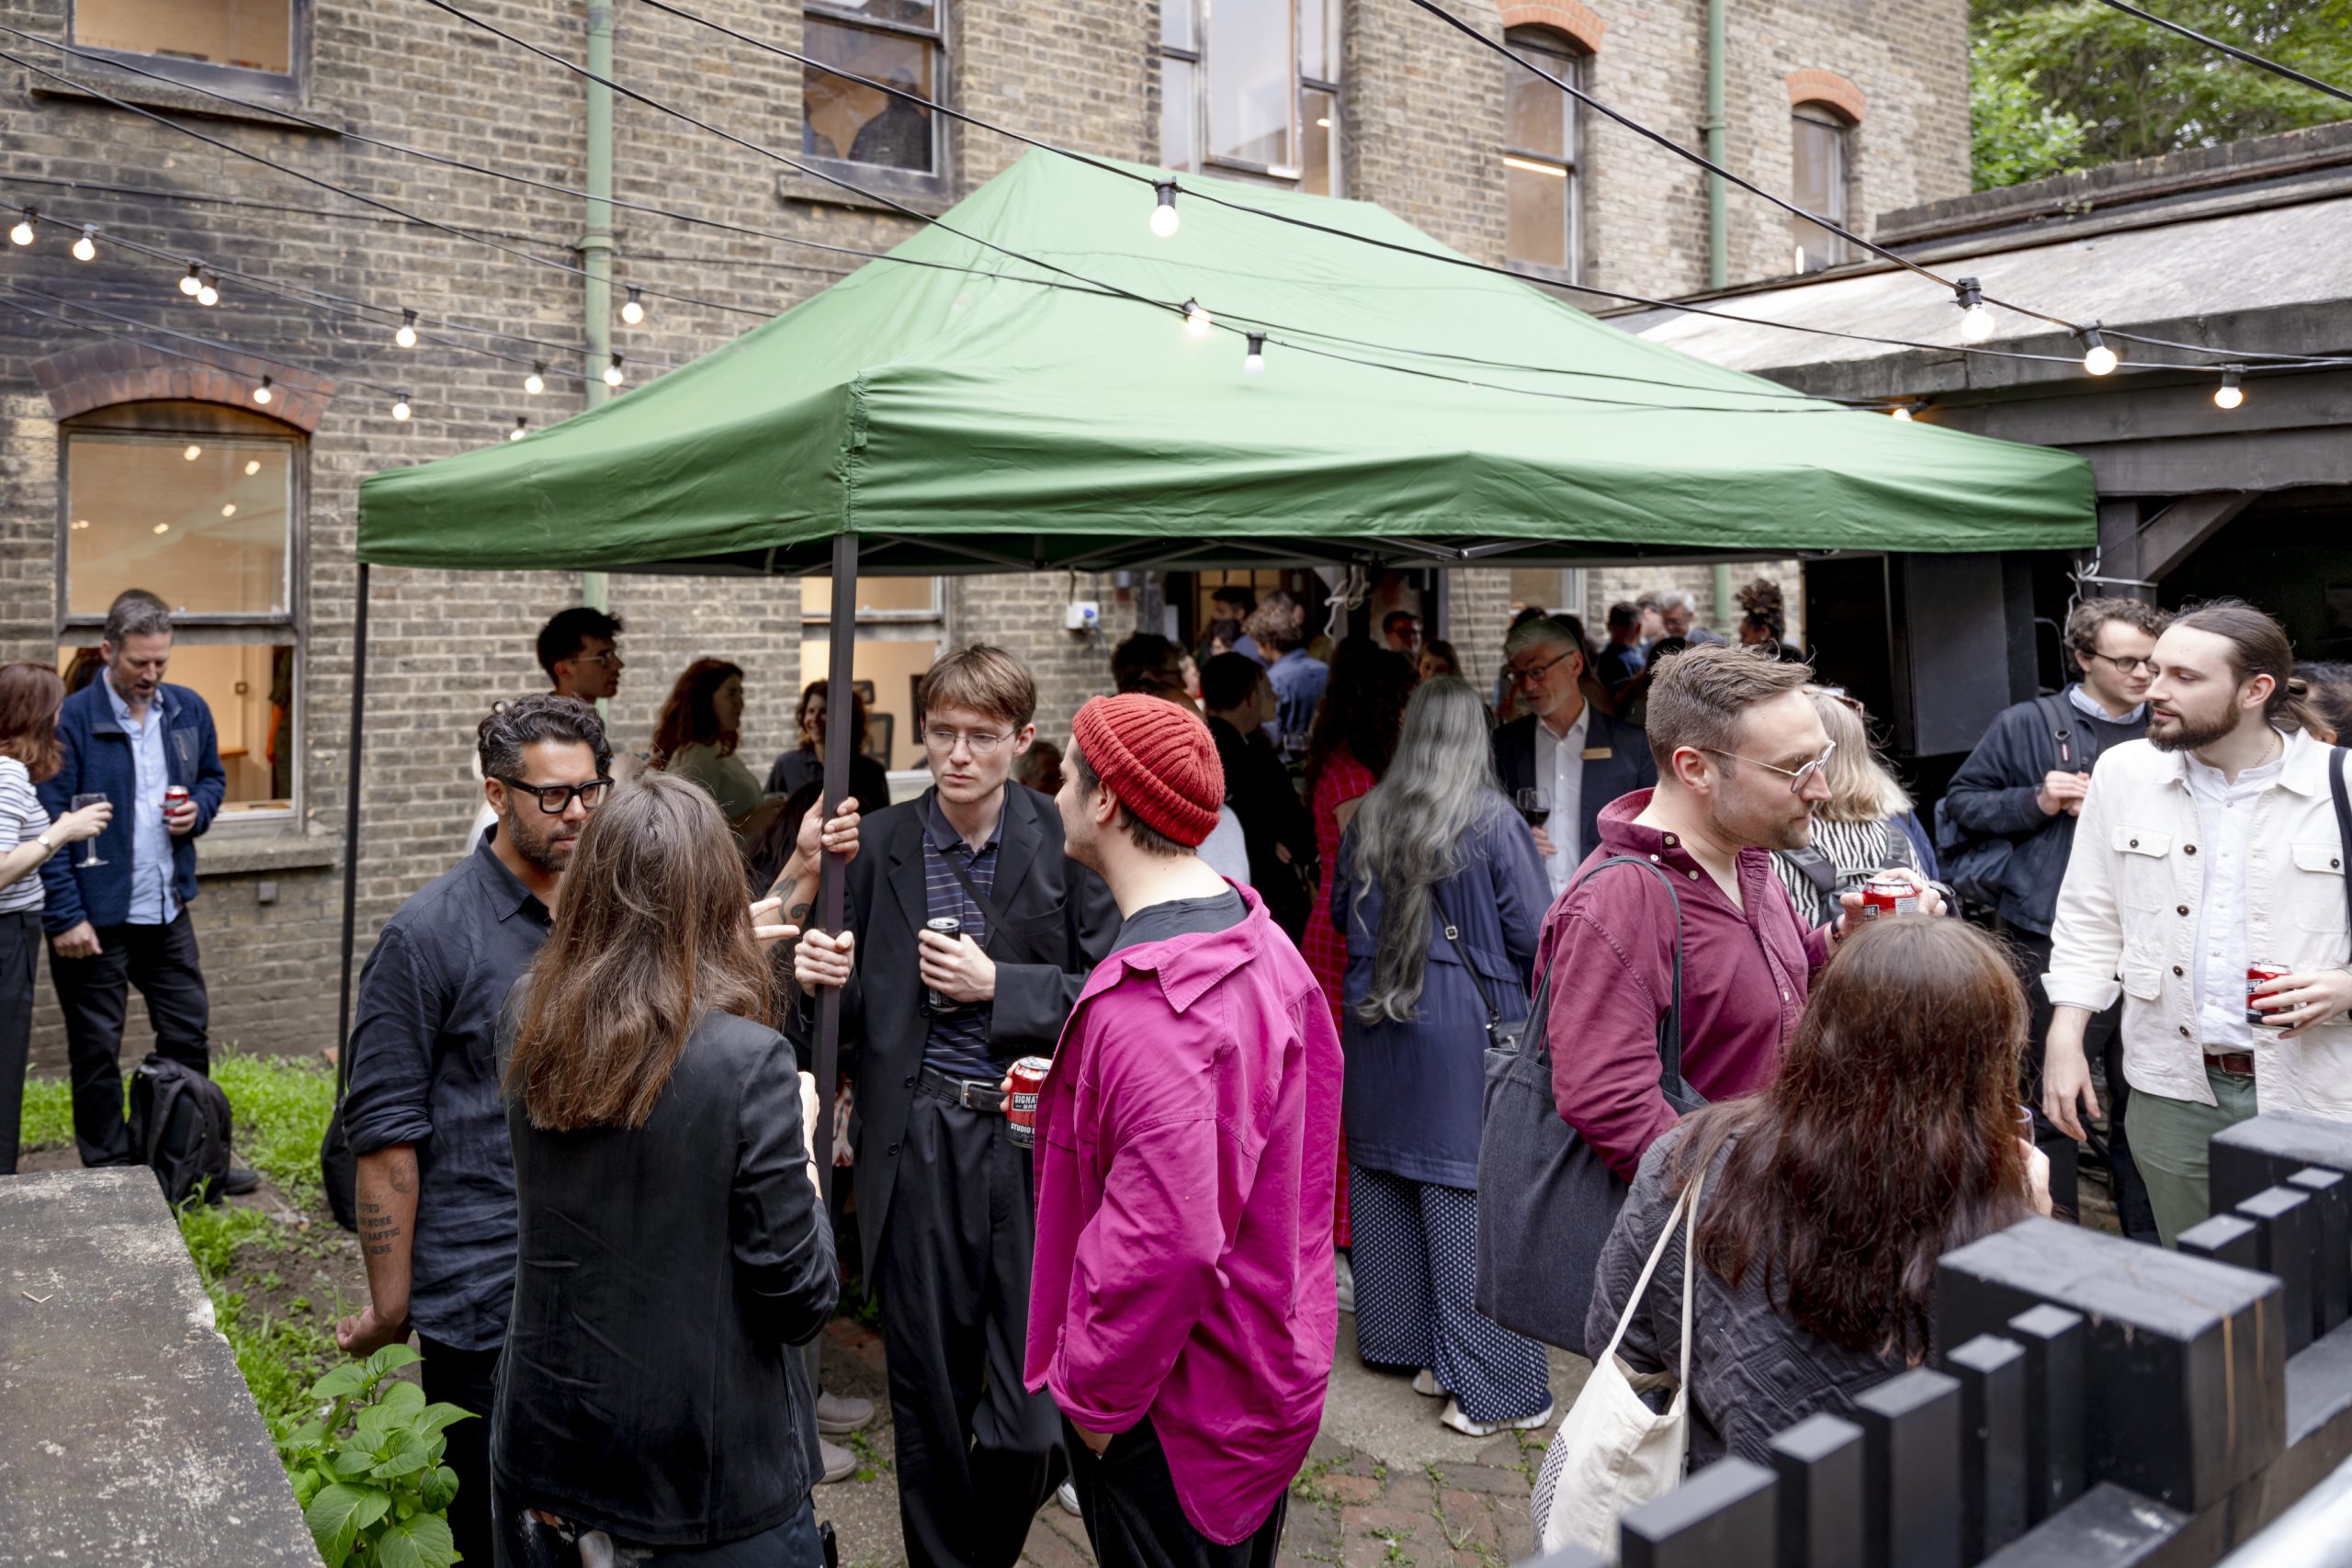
x=175, y=797
x=1883, y=896
x=2257, y=975
x=1028, y=1077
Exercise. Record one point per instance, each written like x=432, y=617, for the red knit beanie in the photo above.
x=1158, y=757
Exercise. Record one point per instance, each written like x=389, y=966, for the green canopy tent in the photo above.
x=957, y=407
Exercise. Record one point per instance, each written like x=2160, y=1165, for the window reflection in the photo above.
x=1541, y=180
x=1817, y=179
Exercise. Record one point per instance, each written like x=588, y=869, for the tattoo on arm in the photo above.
x=799, y=914
x=377, y=1232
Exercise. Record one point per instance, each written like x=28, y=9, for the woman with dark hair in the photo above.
x=805, y=763
x=2327, y=689
x=670, y=1249
x=695, y=736
x=1438, y=885
x=29, y=752
x=1438, y=658
x=1890, y=1136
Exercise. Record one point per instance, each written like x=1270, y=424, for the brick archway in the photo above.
x=1827, y=87
x=100, y=374
x=1571, y=18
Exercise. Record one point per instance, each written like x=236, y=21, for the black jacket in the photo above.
x=1060, y=922
x=1627, y=767
x=1991, y=797
x=1259, y=789
x=662, y=1274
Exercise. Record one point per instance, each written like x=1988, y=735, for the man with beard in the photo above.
x=1739, y=752
x=437, y=1176
x=2208, y=846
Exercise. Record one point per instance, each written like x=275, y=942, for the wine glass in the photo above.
x=1532, y=804
x=90, y=857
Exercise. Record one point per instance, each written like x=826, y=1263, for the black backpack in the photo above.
x=1975, y=867
x=179, y=1125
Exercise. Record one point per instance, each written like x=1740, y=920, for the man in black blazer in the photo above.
x=947, y=1214
x=1574, y=757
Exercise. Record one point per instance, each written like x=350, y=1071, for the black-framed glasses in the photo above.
x=1526, y=676
x=2126, y=666
x=1796, y=776
x=556, y=799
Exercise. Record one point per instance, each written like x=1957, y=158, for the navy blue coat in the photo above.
x=98, y=761
x=1415, y=1091
x=1627, y=767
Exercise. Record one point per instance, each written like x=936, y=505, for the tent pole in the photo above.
x=351, y=818
x=832, y=891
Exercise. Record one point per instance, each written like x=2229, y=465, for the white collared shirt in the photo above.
x=1559, y=777
x=2225, y=823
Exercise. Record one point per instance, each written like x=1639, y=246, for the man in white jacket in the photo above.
x=2210, y=845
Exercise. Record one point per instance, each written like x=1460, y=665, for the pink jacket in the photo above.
x=1187, y=1149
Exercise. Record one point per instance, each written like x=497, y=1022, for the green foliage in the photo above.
x=2062, y=84
x=364, y=1457
x=49, y=1113
x=281, y=1106
x=277, y=1355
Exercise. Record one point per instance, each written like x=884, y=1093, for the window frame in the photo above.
x=1335, y=21
x=937, y=611
x=1829, y=116
x=289, y=84
x=881, y=178
x=213, y=630
x=1553, y=46
x=1198, y=56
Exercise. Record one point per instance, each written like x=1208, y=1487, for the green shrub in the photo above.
x=49, y=1113
x=367, y=1470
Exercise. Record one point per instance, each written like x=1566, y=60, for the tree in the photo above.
x=2063, y=85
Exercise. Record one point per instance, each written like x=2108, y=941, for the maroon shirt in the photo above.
x=1609, y=947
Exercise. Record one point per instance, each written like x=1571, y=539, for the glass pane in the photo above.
x=199, y=519
x=1319, y=135
x=249, y=689
x=1251, y=89
x=1177, y=24
x=1537, y=122
x=1817, y=183
x=1318, y=39
x=893, y=668
x=841, y=118
x=875, y=593
x=256, y=35
x=1180, y=138
x=1538, y=227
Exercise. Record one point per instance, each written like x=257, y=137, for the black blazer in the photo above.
x=1060, y=922
x=1628, y=766
x=662, y=1274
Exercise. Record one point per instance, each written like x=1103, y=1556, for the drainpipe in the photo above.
x=1718, y=238
x=1727, y=606
x=597, y=244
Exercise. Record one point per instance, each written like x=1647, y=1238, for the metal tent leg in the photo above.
x=832, y=893
x=351, y=825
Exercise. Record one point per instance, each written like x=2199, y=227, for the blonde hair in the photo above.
x=1860, y=787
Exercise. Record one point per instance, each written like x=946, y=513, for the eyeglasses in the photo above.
x=1796, y=776
x=556, y=799
x=942, y=742
x=610, y=656
x=1528, y=677
x=2125, y=665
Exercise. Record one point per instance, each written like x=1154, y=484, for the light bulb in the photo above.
x=633, y=311
x=406, y=336
x=22, y=234
x=262, y=394
x=207, y=291
x=191, y=283
x=1975, y=321
x=229, y=509
x=86, y=247
x=162, y=528
x=400, y=405
x=1165, y=218
x=2229, y=394
x=2098, y=359
x=193, y=452
x=535, y=382
x=253, y=467
x=613, y=377
x=1196, y=322
x=521, y=428
x=1902, y=411
x=1253, y=363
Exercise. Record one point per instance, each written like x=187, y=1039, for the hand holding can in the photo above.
x=1023, y=1083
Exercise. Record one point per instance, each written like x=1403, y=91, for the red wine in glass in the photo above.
x=1532, y=806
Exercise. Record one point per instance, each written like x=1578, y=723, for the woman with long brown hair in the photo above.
x=1890, y=1136
x=670, y=1246
x=695, y=736
x=29, y=752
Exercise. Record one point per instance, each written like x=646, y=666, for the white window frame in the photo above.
x=235, y=79
x=1841, y=174
x=882, y=177
x=1197, y=56
x=1555, y=50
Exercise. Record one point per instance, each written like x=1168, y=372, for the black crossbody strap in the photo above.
x=1454, y=937
x=1669, y=1032
x=987, y=904
x=2336, y=758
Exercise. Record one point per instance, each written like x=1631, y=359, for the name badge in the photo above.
x=1596, y=754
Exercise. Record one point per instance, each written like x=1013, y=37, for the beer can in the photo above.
x=950, y=926
x=1883, y=896
x=1028, y=1077
x=175, y=796
x=2257, y=975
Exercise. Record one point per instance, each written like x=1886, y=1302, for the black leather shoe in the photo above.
x=240, y=1181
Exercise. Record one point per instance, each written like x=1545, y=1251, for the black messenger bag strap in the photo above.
x=2337, y=756
x=1670, y=1029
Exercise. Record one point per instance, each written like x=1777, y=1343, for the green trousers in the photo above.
x=2169, y=1139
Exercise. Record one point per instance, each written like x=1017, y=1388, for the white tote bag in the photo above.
x=1614, y=1452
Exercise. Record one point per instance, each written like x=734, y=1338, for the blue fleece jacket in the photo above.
x=98, y=761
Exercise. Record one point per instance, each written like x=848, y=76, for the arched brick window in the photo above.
x=1824, y=108
x=1543, y=144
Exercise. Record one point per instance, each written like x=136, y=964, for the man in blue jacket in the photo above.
x=1574, y=757
x=124, y=921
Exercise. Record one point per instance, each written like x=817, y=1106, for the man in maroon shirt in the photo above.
x=1739, y=753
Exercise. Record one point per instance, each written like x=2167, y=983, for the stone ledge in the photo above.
x=95, y=83
x=232, y=854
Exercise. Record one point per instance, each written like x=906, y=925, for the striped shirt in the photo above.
x=959, y=1042
x=1859, y=851
x=21, y=822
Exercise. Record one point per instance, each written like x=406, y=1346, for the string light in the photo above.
x=86, y=247
x=1901, y=411
x=537, y=381
x=2098, y=359
x=22, y=234
x=406, y=336
x=613, y=375
x=633, y=310
x=193, y=452
x=2229, y=394
x=208, y=287
x=1165, y=218
x=521, y=428
x=1975, y=320
x=400, y=406
x=1196, y=322
x=191, y=283
x=253, y=467
x=262, y=394
x=1253, y=363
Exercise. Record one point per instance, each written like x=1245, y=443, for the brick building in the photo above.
x=134, y=450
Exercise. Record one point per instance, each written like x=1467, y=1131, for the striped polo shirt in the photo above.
x=958, y=1042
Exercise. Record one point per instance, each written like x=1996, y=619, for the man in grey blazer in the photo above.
x=1574, y=757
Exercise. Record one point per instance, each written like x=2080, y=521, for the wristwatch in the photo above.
x=43, y=839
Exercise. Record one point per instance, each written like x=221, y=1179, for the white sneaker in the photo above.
x=1463, y=1424
x=1425, y=1383
x=1067, y=1497
x=1347, y=1272
x=839, y=1414
x=840, y=1463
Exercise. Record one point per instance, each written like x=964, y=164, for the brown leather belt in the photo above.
x=2237, y=1064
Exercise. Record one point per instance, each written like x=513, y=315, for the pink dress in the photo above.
x=1342, y=779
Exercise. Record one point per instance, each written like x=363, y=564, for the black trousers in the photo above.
x=524, y=1542
x=976, y=1453
x=2103, y=1043
x=94, y=994
x=1133, y=1516
x=19, y=951
x=468, y=1380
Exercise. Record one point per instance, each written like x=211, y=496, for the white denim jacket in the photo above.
x=2129, y=911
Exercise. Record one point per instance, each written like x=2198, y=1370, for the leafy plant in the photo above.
x=367, y=1470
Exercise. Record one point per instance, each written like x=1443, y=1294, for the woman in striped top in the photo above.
x=1855, y=833
x=30, y=696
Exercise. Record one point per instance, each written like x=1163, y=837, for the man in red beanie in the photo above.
x=1183, y=1308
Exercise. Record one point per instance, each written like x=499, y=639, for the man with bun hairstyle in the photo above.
x=1183, y=1311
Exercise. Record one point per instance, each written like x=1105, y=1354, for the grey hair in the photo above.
x=136, y=613
x=542, y=716
x=1410, y=830
x=1543, y=631
x=1679, y=599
